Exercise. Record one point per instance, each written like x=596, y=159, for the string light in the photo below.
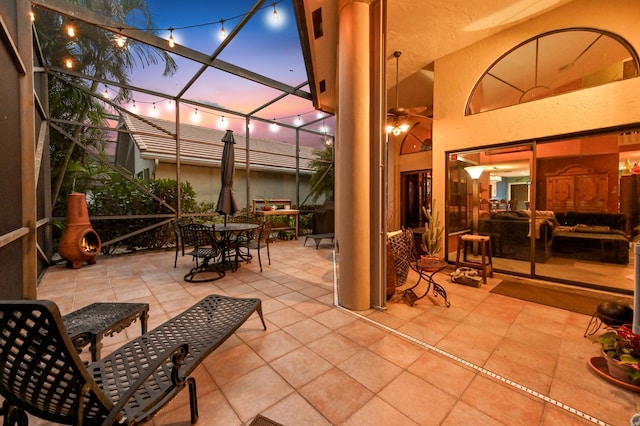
x=71, y=32
x=134, y=104
x=68, y=63
x=32, y=15
x=105, y=94
x=172, y=42
x=299, y=120
x=274, y=126
x=120, y=40
x=250, y=125
x=195, y=117
x=275, y=16
x=223, y=33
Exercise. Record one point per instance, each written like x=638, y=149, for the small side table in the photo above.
x=427, y=269
x=90, y=324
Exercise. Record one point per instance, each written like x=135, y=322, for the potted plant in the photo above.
x=267, y=206
x=433, y=235
x=621, y=355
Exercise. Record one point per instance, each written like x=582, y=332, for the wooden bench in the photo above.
x=41, y=372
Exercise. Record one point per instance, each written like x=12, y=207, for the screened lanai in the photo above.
x=174, y=65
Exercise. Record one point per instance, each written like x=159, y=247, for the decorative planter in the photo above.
x=617, y=369
x=427, y=259
x=79, y=242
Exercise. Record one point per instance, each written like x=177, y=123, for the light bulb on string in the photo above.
x=172, y=42
x=195, y=117
x=120, y=40
x=320, y=114
x=299, y=120
x=274, y=126
x=105, y=94
x=32, y=15
x=68, y=63
x=71, y=32
x=223, y=33
x=275, y=16
x=222, y=123
x=170, y=105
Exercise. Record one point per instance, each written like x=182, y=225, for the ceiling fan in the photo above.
x=397, y=117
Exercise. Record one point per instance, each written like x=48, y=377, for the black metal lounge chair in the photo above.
x=41, y=372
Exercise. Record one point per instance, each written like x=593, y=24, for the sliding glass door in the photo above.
x=565, y=210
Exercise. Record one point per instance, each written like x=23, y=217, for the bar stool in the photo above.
x=486, y=262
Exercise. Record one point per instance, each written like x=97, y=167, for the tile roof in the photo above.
x=203, y=146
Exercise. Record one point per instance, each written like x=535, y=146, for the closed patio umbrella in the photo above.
x=227, y=203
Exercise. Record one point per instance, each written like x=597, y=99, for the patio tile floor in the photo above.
x=318, y=364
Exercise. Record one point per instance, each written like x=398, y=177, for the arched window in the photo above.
x=552, y=63
x=418, y=138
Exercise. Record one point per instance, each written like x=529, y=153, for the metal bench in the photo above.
x=319, y=237
x=41, y=372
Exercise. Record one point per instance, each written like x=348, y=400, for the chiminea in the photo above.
x=79, y=242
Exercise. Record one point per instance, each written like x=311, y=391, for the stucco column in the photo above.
x=353, y=174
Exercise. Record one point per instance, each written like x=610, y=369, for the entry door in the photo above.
x=415, y=192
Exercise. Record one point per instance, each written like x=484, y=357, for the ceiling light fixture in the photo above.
x=397, y=124
x=493, y=177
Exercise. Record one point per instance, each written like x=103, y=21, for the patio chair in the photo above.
x=207, y=248
x=240, y=243
x=261, y=239
x=402, y=256
x=177, y=232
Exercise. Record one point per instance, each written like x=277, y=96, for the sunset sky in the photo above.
x=266, y=46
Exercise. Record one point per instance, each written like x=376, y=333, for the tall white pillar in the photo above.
x=353, y=174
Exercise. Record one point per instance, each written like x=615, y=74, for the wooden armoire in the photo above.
x=577, y=188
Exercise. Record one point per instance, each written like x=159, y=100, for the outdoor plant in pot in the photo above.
x=433, y=235
x=621, y=355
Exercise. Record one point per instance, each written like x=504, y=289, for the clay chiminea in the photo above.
x=79, y=242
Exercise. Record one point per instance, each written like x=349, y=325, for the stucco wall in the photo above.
x=206, y=182
x=612, y=104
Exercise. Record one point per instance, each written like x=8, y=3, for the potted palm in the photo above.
x=433, y=235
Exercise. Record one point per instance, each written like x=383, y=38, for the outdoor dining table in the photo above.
x=229, y=230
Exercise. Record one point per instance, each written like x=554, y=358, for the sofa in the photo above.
x=510, y=235
x=592, y=236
